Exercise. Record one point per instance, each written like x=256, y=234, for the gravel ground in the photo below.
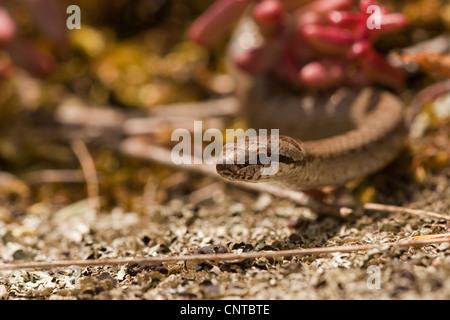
x=218, y=218
x=161, y=212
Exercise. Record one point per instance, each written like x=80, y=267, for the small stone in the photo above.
x=146, y=240
x=3, y=292
x=295, y=238
x=210, y=289
x=107, y=276
x=296, y=223
x=214, y=248
x=134, y=268
x=263, y=201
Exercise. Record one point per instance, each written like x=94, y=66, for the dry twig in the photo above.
x=395, y=209
x=89, y=172
x=225, y=256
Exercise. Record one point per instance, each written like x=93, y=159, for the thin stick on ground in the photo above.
x=72, y=112
x=89, y=172
x=137, y=147
x=225, y=256
x=395, y=209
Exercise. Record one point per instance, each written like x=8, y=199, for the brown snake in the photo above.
x=346, y=134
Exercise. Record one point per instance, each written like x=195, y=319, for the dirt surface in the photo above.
x=219, y=219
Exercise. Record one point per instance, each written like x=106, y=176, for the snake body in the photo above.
x=325, y=138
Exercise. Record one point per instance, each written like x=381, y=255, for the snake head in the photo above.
x=260, y=158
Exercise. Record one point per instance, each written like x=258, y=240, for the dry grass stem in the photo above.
x=225, y=256
x=90, y=174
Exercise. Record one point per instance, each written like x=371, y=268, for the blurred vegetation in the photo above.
x=129, y=54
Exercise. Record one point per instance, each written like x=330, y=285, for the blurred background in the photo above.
x=130, y=55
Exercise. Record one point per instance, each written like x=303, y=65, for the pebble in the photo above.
x=263, y=201
x=3, y=292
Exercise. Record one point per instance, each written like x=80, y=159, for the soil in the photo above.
x=149, y=210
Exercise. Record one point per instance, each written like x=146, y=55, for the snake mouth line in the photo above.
x=255, y=172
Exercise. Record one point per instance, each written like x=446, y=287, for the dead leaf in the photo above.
x=431, y=61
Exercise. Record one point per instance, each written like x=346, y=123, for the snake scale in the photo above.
x=324, y=138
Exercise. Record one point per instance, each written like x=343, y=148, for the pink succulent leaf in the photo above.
x=308, y=18
x=323, y=74
x=345, y=19
x=325, y=6
x=361, y=32
x=381, y=71
x=390, y=23
x=393, y=21
x=300, y=48
x=328, y=40
x=217, y=20
x=326, y=45
x=359, y=49
x=287, y=68
x=256, y=60
x=270, y=16
x=365, y=4
x=292, y=5
x=7, y=27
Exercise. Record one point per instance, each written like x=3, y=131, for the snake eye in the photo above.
x=286, y=160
